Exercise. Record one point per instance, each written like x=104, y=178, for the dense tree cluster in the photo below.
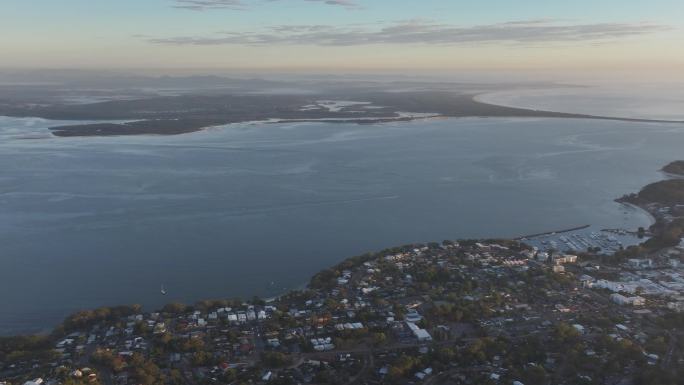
x=25, y=348
x=87, y=318
x=675, y=168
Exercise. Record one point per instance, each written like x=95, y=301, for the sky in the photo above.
x=345, y=35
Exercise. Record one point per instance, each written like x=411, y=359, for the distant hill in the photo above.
x=675, y=168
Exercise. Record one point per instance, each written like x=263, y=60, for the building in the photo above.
x=413, y=316
x=627, y=301
x=568, y=258
x=586, y=280
x=640, y=263
x=676, y=306
x=420, y=334
x=322, y=344
x=615, y=286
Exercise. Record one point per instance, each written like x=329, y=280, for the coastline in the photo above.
x=650, y=216
x=483, y=98
x=571, y=115
x=47, y=331
x=179, y=126
x=377, y=108
x=507, y=98
x=302, y=277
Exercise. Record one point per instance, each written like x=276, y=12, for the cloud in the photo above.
x=204, y=5
x=201, y=5
x=341, y=3
x=423, y=32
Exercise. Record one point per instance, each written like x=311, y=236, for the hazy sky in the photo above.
x=344, y=34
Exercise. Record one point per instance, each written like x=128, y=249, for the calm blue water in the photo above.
x=248, y=210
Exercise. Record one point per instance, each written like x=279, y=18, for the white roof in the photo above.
x=422, y=334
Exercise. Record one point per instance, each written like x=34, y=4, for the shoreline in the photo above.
x=97, y=120
x=650, y=216
x=133, y=128
x=49, y=330
x=573, y=115
x=490, y=97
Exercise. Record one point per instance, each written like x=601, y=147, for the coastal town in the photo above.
x=453, y=312
x=342, y=192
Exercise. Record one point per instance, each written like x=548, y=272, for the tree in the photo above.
x=146, y=372
x=174, y=308
x=379, y=339
x=275, y=359
x=565, y=335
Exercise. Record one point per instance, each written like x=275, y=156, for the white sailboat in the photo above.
x=163, y=291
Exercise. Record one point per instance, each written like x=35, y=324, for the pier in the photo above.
x=553, y=232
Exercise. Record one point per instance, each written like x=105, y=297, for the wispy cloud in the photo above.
x=204, y=5
x=423, y=32
x=201, y=5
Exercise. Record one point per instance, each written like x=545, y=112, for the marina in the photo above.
x=603, y=241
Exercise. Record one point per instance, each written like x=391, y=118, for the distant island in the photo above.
x=454, y=312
